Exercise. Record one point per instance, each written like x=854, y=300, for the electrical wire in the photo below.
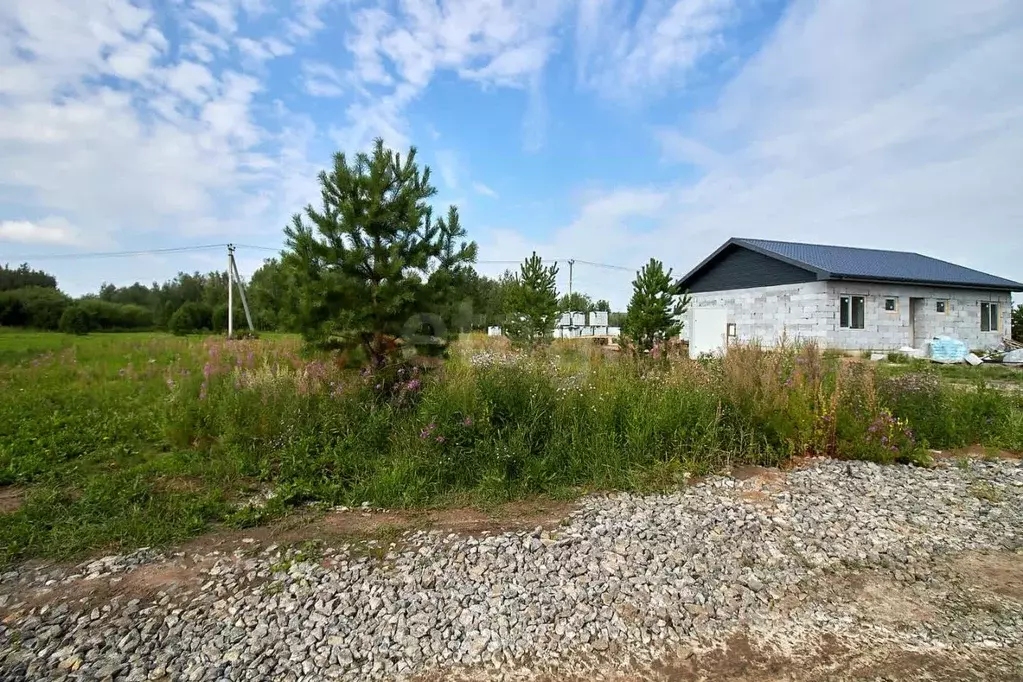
x=207, y=247
x=260, y=248
x=112, y=254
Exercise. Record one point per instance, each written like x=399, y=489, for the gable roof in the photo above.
x=849, y=263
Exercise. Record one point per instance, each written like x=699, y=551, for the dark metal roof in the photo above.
x=844, y=262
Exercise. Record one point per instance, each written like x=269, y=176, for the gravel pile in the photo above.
x=625, y=579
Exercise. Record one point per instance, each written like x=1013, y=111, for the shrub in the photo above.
x=35, y=307
x=74, y=320
x=190, y=317
x=219, y=318
x=107, y=316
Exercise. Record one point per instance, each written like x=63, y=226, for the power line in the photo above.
x=112, y=254
x=260, y=248
x=207, y=247
x=605, y=265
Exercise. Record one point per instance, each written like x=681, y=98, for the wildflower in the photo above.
x=440, y=439
x=170, y=383
x=202, y=391
x=207, y=370
x=467, y=421
x=413, y=385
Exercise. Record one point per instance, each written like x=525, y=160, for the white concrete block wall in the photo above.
x=811, y=311
x=885, y=330
x=764, y=314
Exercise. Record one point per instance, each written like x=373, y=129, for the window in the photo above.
x=850, y=314
x=988, y=317
x=730, y=331
x=889, y=305
x=941, y=306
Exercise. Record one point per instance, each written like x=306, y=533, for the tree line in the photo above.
x=195, y=302
x=369, y=266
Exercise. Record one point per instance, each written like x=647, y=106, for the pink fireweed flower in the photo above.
x=207, y=370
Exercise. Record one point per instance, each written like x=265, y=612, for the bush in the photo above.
x=74, y=321
x=181, y=323
x=107, y=316
x=219, y=318
x=35, y=307
x=191, y=317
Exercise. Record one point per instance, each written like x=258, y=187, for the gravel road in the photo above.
x=837, y=570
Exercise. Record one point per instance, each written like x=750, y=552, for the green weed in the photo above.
x=145, y=439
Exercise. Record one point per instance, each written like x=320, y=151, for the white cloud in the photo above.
x=484, y=190
x=105, y=125
x=846, y=128
x=321, y=80
x=661, y=46
x=50, y=231
x=397, y=54
x=447, y=164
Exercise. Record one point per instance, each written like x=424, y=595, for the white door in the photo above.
x=707, y=329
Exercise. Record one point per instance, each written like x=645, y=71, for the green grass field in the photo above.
x=113, y=441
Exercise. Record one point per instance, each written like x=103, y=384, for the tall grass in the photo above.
x=147, y=439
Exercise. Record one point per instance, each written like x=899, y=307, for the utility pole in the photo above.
x=230, y=291
x=232, y=277
x=571, y=313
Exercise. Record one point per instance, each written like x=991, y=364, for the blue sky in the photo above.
x=602, y=130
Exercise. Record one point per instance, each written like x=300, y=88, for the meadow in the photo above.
x=114, y=441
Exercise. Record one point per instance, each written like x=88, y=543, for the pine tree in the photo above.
x=372, y=264
x=531, y=305
x=656, y=308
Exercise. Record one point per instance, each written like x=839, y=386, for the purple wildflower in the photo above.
x=467, y=422
x=413, y=385
x=202, y=391
x=207, y=370
x=440, y=439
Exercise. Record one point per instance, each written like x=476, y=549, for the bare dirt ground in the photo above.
x=10, y=498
